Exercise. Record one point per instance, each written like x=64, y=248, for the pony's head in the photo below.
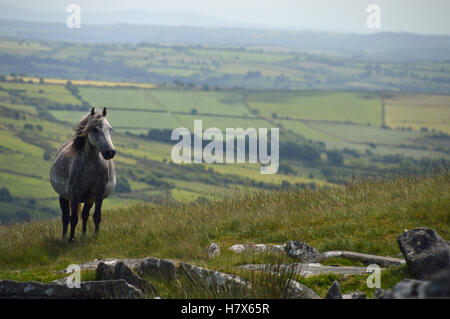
x=95, y=129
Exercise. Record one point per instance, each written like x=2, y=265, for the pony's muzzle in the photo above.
x=109, y=154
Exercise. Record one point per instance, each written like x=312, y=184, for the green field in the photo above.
x=31, y=131
x=418, y=111
x=318, y=106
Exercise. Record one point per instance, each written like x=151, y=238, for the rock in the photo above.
x=334, y=292
x=425, y=252
x=355, y=295
x=303, y=252
x=213, y=250
x=212, y=279
x=237, y=248
x=407, y=288
x=121, y=271
x=158, y=268
x=295, y=290
x=380, y=293
x=258, y=248
x=305, y=270
x=438, y=287
x=105, y=272
x=107, y=289
x=91, y=265
x=365, y=258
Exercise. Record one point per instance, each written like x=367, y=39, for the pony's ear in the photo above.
x=93, y=111
x=104, y=112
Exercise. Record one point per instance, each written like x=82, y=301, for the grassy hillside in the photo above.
x=365, y=217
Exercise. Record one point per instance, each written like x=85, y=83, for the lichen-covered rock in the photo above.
x=355, y=295
x=295, y=290
x=425, y=252
x=105, y=289
x=334, y=292
x=213, y=250
x=121, y=271
x=158, y=268
x=303, y=252
x=259, y=248
x=438, y=287
x=214, y=279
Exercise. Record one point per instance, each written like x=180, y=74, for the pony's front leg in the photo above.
x=98, y=213
x=73, y=218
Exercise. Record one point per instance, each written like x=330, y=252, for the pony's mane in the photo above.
x=82, y=129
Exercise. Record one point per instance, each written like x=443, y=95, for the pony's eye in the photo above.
x=94, y=129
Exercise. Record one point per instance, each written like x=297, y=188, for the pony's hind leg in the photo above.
x=85, y=215
x=64, y=204
x=98, y=214
x=74, y=207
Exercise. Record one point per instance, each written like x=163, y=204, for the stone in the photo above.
x=213, y=250
x=121, y=271
x=380, y=293
x=259, y=248
x=105, y=272
x=306, y=270
x=365, y=258
x=334, y=292
x=92, y=265
x=214, y=279
x=425, y=252
x=303, y=252
x=355, y=295
x=105, y=289
x=295, y=290
x=237, y=248
x=158, y=268
x=438, y=287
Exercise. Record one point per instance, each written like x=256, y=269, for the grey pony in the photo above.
x=84, y=172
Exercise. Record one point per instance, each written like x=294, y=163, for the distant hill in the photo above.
x=405, y=47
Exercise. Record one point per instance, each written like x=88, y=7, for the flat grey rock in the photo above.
x=259, y=248
x=306, y=270
x=367, y=259
x=107, y=289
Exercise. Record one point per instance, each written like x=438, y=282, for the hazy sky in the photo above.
x=419, y=16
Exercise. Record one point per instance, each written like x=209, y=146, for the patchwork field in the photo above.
x=35, y=118
x=431, y=112
x=318, y=106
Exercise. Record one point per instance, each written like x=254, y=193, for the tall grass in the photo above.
x=364, y=216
